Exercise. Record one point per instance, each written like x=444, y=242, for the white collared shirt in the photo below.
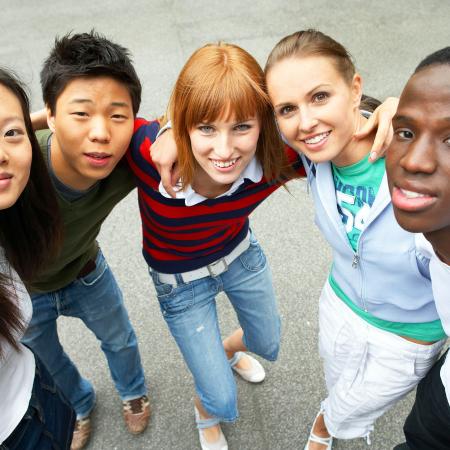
x=252, y=172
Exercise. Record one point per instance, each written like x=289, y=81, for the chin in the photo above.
x=412, y=223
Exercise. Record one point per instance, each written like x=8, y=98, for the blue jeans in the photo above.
x=96, y=299
x=49, y=420
x=190, y=312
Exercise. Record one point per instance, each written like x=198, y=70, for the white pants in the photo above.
x=367, y=370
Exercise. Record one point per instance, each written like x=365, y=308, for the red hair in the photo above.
x=219, y=81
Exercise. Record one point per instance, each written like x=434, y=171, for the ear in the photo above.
x=356, y=89
x=50, y=119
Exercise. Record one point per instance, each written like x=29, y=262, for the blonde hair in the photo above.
x=219, y=81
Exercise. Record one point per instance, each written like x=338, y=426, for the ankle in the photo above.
x=320, y=429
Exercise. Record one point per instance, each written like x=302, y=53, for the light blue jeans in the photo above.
x=190, y=312
x=97, y=300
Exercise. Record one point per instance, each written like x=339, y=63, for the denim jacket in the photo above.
x=387, y=276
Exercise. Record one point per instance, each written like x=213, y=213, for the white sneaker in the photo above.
x=220, y=444
x=255, y=374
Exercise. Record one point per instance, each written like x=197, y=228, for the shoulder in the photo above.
x=42, y=137
x=145, y=129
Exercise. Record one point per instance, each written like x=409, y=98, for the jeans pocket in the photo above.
x=100, y=268
x=253, y=259
x=180, y=298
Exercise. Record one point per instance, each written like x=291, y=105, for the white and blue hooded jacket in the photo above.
x=387, y=276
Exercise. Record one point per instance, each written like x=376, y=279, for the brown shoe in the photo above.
x=81, y=433
x=136, y=413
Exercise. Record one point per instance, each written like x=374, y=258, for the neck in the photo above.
x=440, y=240
x=354, y=150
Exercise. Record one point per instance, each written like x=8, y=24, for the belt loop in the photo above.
x=178, y=278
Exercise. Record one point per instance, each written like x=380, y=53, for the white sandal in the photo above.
x=319, y=440
x=255, y=374
x=220, y=444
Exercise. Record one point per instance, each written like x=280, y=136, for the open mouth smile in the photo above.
x=317, y=138
x=413, y=201
x=224, y=164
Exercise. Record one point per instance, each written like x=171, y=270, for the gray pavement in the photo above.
x=387, y=40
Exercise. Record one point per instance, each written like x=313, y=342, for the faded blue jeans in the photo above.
x=190, y=312
x=97, y=300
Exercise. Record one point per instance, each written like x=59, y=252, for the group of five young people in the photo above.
x=231, y=158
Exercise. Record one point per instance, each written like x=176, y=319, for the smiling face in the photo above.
x=15, y=149
x=316, y=108
x=92, y=125
x=222, y=149
x=418, y=159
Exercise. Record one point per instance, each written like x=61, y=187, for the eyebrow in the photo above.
x=402, y=118
x=308, y=93
x=10, y=119
x=86, y=100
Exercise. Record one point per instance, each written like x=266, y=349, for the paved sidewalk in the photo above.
x=387, y=40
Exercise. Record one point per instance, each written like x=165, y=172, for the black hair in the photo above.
x=87, y=55
x=439, y=57
x=369, y=103
x=30, y=230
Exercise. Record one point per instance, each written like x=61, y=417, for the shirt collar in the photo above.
x=252, y=172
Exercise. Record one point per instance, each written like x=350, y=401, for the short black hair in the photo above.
x=439, y=57
x=87, y=55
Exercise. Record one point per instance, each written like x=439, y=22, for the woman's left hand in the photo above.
x=381, y=120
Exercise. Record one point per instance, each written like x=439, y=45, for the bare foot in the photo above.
x=244, y=363
x=320, y=430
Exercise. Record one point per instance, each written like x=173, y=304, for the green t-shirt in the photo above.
x=356, y=188
x=82, y=219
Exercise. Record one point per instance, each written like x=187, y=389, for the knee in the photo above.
x=119, y=341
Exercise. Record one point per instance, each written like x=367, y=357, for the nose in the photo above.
x=223, y=146
x=307, y=120
x=420, y=156
x=99, y=131
x=3, y=155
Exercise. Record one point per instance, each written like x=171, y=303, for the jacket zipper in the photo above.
x=355, y=263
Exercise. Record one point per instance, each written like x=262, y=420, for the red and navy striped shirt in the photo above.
x=179, y=238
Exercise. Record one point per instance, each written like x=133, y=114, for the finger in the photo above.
x=176, y=173
x=367, y=128
x=379, y=143
x=166, y=181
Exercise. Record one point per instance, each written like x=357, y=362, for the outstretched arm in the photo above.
x=39, y=119
x=165, y=156
x=381, y=120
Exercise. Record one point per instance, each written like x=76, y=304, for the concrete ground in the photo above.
x=387, y=40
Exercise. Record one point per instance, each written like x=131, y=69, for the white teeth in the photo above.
x=224, y=164
x=317, y=139
x=411, y=194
